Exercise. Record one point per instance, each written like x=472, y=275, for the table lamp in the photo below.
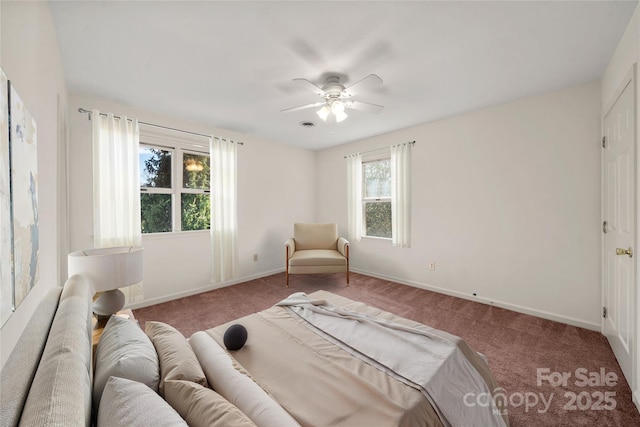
x=108, y=269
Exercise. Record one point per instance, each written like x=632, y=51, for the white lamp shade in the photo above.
x=108, y=268
x=340, y=116
x=323, y=113
x=337, y=107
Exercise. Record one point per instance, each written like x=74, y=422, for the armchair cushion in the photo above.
x=317, y=257
x=315, y=236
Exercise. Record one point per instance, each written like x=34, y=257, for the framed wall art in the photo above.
x=6, y=257
x=23, y=160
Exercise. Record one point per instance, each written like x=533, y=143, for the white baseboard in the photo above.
x=210, y=287
x=636, y=399
x=513, y=307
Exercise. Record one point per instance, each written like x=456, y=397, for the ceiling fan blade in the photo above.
x=364, y=106
x=368, y=82
x=313, y=88
x=303, y=107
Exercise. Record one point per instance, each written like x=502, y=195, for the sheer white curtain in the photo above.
x=401, y=194
x=116, y=186
x=354, y=197
x=224, y=216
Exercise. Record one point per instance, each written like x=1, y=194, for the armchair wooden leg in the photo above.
x=286, y=265
x=347, y=248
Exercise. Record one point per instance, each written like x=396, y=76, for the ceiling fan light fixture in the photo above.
x=337, y=107
x=323, y=113
x=336, y=99
x=340, y=116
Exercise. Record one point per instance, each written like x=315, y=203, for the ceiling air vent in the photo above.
x=307, y=124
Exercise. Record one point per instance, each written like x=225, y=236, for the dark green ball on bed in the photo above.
x=235, y=337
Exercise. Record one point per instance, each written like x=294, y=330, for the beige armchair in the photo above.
x=316, y=248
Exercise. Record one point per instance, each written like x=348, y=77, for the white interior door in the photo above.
x=619, y=209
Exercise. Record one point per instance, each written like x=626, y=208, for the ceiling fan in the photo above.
x=337, y=98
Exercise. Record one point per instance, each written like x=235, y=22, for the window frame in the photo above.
x=365, y=199
x=185, y=190
x=177, y=147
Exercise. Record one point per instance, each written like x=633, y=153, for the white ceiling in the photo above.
x=230, y=64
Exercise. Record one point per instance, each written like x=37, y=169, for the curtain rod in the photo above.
x=380, y=149
x=82, y=110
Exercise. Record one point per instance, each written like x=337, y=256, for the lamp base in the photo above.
x=109, y=303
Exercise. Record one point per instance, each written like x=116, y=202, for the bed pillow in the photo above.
x=203, y=407
x=235, y=337
x=127, y=403
x=124, y=351
x=177, y=360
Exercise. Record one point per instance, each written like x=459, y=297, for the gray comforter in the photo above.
x=416, y=356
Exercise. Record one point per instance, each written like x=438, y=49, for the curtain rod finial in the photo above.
x=83, y=110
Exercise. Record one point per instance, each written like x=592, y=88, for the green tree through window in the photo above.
x=158, y=193
x=157, y=168
x=196, y=210
x=377, y=198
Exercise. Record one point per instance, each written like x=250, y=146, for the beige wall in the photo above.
x=276, y=187
x=31, y=59
x=506, y=202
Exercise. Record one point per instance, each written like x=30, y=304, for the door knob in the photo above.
x=620, y=251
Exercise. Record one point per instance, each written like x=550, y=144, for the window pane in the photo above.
x=196, y=212
x=378, y=219
x=156, y=212
x=377, y=179
x=155, y=167
x=195, y=171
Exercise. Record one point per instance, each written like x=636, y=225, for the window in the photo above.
x=379, y=195
x=174, y=188
x=376, y=198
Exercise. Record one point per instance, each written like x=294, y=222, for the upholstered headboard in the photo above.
x=47, y=378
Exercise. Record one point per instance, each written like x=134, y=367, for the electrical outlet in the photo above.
x=255, y=257
x=432, y=265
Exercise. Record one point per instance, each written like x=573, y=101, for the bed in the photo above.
x=320, y=378
x=293, y=370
